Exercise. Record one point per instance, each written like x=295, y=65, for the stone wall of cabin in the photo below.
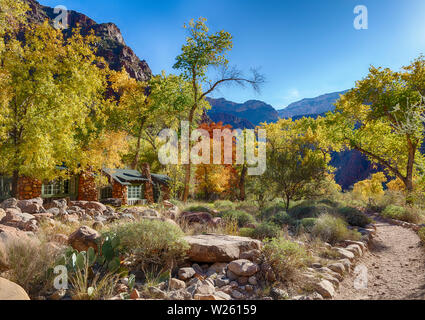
x=87, y=190
x=148, y=185
x=28, y=188
x=165, y=192
x=119, y=191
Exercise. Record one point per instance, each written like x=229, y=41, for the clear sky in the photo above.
x=305, y=48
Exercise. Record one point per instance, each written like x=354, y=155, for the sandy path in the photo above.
x=395, y=268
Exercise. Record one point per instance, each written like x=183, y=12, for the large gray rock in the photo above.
x=325, y=289
x=31, y=206
x=84, y=238
x=11, y=291
x=219, y=248
x=9, y=203
x=244, y=268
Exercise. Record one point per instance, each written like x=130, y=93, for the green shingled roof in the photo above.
x=127, y=176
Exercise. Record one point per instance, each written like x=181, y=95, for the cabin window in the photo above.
x=5, y=187
x=106, y=193
x=55, y=188
x=134, y=192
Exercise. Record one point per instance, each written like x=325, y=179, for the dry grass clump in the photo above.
x=29, y=264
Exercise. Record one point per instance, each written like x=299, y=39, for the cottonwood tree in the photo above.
x=145, y=108
x=296, y=161
x=52, y=99
x=382, y=117
x=203, y=51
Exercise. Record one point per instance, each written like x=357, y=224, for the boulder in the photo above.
x=243, y=268
x=11, y=291
x=114, y=202
x=142, y=212
x=9, y=203
x=17, y=219
x=186, y=273
x=325, y=289
x=252, y=255
x=356, y=249
x=345, y=254
x=337, y=267
x=31, y=206
x=2, y=213
x=197, y=217
x=11, y=234
x=84, y=238
x=176, y=284
x=55, y=203
x=212, y=248
x=87, y=205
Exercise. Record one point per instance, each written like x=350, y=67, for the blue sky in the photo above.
x=305, y=48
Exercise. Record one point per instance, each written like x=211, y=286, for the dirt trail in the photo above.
x=395, y=264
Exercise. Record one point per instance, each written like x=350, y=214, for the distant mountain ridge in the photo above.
x=111, y=45
x=311, y=106
x=253, y=111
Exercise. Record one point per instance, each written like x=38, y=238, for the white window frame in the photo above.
x=135, y=195
x=54, y=188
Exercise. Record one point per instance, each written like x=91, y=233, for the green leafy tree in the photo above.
x=296, y=162
x=203, y=51
x=382, y=117
x=52, y=100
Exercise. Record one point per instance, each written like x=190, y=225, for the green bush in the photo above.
x=354, y=217
x=333, y=229
x=282, y=218
x=197, y=209
x=408, y=214
x=150, y=242
x=394, y=212
x=242, y=217
x=285, y=257
x=272, y=210
x=266, y=230
x=308, y=224
x=224, y=205
x=246, y=232
x=310, y=209
x=421, y=234
x=329, y=203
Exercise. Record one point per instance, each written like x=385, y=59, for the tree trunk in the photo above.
x=15, y=179
x=287, y=202
x=242, y=183
x=187, y=175
x=409, y=171
x=137, y=155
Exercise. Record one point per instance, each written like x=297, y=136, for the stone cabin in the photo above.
x=131, y=187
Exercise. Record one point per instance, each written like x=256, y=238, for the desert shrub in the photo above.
x=285, y=257
x=329, y=203
x=282, y=218
x=247, y=206
x=408, y=214
x=224, y=205
x=310, y=209
x=266, y=230
x=333, y=229
x=308, y=224
x=242, y=217
x=150, y=242
x=246, y=232
x=197, y=209
x=29, y=264
x=354, y=217
x=421, y=234
x=272, y=210
x=85, y=286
